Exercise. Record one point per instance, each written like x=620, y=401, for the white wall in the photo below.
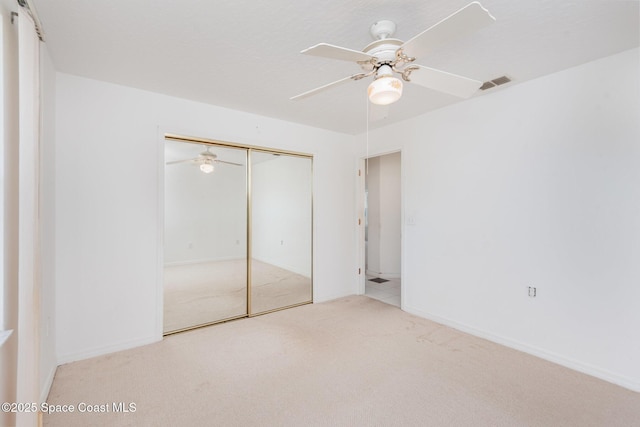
x=384, y=216
x=372, y=232
x=108, y=197
x=390, y=215
x=533, y=185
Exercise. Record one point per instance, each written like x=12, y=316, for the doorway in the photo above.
x=383, y=224
x=237, y=232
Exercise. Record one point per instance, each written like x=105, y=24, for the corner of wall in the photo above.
x=628, y=383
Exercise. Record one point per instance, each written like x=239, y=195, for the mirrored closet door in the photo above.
x=205, y=234
x=281, y=218
x=237, y=232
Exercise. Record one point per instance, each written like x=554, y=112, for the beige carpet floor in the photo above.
x=349, y=362
x=196, y=294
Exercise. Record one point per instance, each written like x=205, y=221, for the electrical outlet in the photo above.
x=532, y=292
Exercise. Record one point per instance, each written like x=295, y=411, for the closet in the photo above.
x=237, y=238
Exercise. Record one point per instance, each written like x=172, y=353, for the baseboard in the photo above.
x=199, y=261
x=333, y=297
x=100, y=351
x=202, y=261
x=44, y=393
x=284, y=267
x=575, y=365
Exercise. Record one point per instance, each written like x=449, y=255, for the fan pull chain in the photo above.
x=366, y=166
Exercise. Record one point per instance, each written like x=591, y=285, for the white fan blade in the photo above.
x=327, y=86
x=336, y=52
x=470, y=18
x=229, y=163
x=181, y=161
x=442, y=81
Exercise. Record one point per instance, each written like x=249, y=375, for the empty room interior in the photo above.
x=320, y=213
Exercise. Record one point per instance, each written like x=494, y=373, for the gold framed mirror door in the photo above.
x=205, y=235
x=237, y=232
x=281, y=231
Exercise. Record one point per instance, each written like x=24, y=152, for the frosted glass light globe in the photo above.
x=206, y=167
x=385, y=90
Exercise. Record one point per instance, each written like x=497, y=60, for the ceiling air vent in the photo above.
x=495, y=82
x=486, y=85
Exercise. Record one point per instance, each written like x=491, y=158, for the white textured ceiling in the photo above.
x=244, y=54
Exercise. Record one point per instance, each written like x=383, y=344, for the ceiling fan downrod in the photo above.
x=383, y=29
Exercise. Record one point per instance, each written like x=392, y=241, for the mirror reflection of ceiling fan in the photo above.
x=388, y=56
x=205, y=160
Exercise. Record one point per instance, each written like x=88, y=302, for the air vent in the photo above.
x=487, y=85
x=501, y=80
x=495, y=82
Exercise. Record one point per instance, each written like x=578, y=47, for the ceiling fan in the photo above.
x=205, y=160
x=386, y=56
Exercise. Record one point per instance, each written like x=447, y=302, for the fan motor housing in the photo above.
x=384, y=50
x=208, y=155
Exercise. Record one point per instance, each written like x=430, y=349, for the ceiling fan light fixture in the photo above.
x=206, y=167
x=385, y=90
